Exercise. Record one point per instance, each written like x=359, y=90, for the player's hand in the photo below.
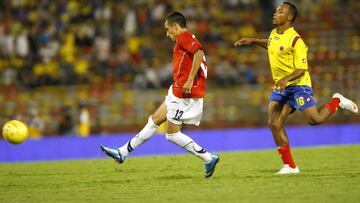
x=187, y=86
x=244, y=41
x=280, y=85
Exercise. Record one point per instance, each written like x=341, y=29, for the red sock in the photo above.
x=333, y=105
x=286, y=157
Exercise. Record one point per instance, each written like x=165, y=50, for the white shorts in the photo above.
x=183, y=110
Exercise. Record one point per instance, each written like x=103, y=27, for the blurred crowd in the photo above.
x=50, y=48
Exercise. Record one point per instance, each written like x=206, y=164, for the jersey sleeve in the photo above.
x=300, y=53
x=190, y=43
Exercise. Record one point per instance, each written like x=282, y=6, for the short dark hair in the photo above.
x=176, y=17
x=293, y=10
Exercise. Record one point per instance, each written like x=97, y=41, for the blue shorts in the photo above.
x=298, y=97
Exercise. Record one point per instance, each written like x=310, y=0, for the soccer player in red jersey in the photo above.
x=292, y=84
x=184, y=102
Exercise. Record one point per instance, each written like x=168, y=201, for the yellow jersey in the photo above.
x=288, y=51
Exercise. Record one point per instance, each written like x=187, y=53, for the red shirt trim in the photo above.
x=294, y=41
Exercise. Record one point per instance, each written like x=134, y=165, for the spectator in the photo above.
x=84, y=121
x=35, y=124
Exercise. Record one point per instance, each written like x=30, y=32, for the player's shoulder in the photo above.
x=291, y=32
x=295, y=37
x=273, y=31
x=187, y=35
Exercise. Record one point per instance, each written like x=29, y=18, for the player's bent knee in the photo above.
x=158, y=119
x=274, y=124
x=270, y=123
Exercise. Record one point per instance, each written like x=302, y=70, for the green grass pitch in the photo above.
x=328, y=174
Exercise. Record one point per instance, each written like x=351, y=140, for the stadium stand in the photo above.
x=113, y=57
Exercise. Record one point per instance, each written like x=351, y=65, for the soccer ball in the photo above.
x=15, y=132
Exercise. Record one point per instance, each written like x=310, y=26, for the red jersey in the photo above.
x=185, y=47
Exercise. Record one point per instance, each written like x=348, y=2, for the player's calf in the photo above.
x=315, y=120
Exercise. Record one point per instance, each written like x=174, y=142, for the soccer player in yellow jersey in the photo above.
x=292, y=84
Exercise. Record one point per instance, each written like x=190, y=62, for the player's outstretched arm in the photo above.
x=249, y=41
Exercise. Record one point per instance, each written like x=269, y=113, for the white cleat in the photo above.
x=346, y=103
x=286, y=169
